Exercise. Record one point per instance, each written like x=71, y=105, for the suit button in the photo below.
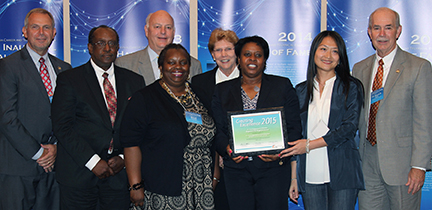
x=281, y=162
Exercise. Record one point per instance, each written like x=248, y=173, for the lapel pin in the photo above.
x=397, y=71
x=59, y=68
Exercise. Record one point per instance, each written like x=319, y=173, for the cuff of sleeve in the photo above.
x=38, y=154
x=423, y=169
x=92, y=162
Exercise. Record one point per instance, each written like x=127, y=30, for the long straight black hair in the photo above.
x=342, y=69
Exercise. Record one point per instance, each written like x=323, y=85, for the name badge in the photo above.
x=193, y=117
x=377, y=95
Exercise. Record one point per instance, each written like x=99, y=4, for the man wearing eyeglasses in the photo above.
x=160, y=31
x=87, y=109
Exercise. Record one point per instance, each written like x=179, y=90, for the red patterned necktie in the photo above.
x=377, y=84
x=45, y=77
x=112, y=104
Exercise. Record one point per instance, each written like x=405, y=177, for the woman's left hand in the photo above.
x=269, y=158
x=297, y=148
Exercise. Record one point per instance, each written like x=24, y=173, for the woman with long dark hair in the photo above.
x=328, y=170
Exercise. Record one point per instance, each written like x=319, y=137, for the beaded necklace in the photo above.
x=180, y=99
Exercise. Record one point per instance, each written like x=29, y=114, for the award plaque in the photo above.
x=257, y=132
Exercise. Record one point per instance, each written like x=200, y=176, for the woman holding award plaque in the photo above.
x=257, y=181
x=167, y=133
x=328, y=170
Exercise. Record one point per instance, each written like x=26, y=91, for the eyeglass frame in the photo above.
x=101, y=44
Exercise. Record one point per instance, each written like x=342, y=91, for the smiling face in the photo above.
x=326, y=56
x=175, y=69
x=383, y=31
x=251, y=60
x=103, y=56
x=224, y=56
x=39, y=32
x=160, y=30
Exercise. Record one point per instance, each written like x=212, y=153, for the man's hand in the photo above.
x=116, y=163
x=416, y=179
x=47, y=159
x=102, y=170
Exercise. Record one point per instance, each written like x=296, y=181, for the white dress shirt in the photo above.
x=317, y=166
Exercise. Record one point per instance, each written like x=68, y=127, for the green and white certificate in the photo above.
x=257, y=132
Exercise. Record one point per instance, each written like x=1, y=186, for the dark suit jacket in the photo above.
x=25, y=112
x=343, y=155
x=155, y=122
x=275, y=92
x=82, y=124
x=204, y=86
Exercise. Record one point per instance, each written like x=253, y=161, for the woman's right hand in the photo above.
x=293, y=190
x=137, y=197
x=237, y=159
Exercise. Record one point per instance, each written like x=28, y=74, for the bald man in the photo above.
x=160, y=31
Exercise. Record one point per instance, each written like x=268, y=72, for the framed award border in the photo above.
x=259, y=151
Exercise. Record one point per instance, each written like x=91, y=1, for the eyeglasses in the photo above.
x=102, y=44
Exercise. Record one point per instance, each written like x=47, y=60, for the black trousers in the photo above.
x=102, y=196
x=253, y=188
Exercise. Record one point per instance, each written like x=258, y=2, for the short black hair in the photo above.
x=91, y=34
x=255, y=39
x=172, y=46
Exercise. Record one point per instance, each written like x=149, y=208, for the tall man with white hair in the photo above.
x=160, y=31
x=395, y=122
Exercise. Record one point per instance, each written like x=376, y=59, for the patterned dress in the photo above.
x=197, y=192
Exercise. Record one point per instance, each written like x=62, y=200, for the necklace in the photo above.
x=256, y=89
x=180, y=99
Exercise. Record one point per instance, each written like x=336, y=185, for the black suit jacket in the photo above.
x=204, y=85
x=82, y=124
x=25, y=111
x=275, y=92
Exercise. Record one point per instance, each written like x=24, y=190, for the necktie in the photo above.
x=112, y=104
x=45, y=77
x=377, y=84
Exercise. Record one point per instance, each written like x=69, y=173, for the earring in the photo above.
x=160, y=76
x=188, y=77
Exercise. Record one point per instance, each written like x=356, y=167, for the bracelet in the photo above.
x=293, y=179
x=136, y=186
x=214, y=178
x=307, y=146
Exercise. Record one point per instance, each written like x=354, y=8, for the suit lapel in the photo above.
x=235, y=92
x=396, y=70
x=121, y=87
x=57, y=68
x=31, y=69
x=95, y=89
x=264, y=92
x=145, y=67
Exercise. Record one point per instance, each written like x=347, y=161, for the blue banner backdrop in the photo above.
x=289, y=27
x=351, y=18
x=127, y=17
x=12, y=15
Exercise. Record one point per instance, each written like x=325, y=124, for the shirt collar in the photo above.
x=388, y=59
x=152, y=54
x=99, y=71
x=35, y=56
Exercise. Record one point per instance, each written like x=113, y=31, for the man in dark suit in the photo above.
x=27, y=146
x=160, y=31
x=87, y=109
x=395, y=131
